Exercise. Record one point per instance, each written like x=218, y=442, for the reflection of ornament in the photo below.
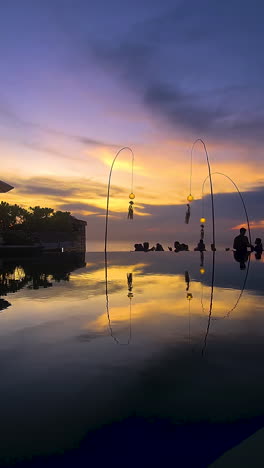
x=190, y=198
x=203, y=220
x=132, y=196
x=130, y=210
x=202, y=271
x=130, y=295
x=189, y=296
x=202, y=232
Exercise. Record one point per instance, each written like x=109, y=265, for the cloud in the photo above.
x=197, y=66
x=9, y=118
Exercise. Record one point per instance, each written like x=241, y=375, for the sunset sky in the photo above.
x=81, y=79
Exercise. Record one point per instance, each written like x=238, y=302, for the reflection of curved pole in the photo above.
x=240, y=295
x=211, y=305
x=239, y=193
x=211, y=183
x=108, y=313
x=108, y=190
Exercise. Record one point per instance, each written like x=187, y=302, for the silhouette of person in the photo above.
x=184, y=247
x=177, y=246
x=159, y=248
x=139, y=248
x=202, y=231
x=241, y=242
x=146, y=247
x=200, y=246
x=187, y=214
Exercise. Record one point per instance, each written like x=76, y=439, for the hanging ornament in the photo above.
x=187, y=214
x=202, y=271
x=130, y=210
x=190, y=198
x=132, y=196
x=189, y=296
x=187, y=280
x=203, y=220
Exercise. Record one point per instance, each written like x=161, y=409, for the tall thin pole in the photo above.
x=239, y=193
x=211, y=183
x=108, y=190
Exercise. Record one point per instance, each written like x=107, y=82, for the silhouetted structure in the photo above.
x=200, y=246
x=241, y=242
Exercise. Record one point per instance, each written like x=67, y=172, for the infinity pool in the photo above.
x=168, y=337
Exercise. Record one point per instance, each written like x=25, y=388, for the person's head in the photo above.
x=176, y=243
x=258, y=241
x=242, y=231
x=146, y=245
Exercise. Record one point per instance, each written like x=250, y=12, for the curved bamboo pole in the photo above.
x=108, y=189
x=239, y=193
x=211, y=183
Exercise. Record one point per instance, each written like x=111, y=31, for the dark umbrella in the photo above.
x=5, y=187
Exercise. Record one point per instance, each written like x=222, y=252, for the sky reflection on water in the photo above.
x=64, y=371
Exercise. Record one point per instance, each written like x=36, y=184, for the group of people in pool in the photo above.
x=241, y=246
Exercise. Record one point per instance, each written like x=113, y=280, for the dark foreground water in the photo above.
x=165, y=369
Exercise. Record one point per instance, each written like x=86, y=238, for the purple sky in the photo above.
x=79, y=80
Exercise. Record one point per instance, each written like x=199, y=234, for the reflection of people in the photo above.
x=241, y=257
x=258, y=245
x=159, y=248
x=258, y=248
x=200, y=246
x=241, y=242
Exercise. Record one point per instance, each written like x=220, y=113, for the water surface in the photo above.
x=170, y=342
